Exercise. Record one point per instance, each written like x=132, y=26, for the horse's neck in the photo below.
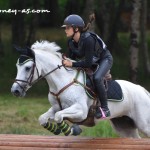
x=57, y=79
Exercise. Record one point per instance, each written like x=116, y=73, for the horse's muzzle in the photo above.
x=17, y=91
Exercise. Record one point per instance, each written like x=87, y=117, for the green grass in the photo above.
x=20, y=116
x=102, y=129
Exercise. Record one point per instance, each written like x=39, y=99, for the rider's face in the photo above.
x=69, y=31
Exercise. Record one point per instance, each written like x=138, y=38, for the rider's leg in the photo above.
x=103, y=100
x=104, y=66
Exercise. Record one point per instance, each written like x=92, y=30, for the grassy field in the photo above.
x=20, y=116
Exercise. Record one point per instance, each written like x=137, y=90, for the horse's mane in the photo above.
x=51, y=47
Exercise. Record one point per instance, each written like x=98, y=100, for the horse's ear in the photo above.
x=25, y=51
x=19, y=49
x=30, y=53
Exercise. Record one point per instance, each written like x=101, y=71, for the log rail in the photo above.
x=38, y=142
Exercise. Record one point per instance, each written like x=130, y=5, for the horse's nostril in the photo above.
x=16, y=93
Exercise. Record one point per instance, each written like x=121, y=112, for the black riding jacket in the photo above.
x=88, y=50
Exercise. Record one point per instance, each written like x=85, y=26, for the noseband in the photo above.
x=29, y=80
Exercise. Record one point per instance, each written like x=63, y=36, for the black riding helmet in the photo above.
x=74, y=21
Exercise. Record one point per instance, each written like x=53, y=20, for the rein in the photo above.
x=41, y=77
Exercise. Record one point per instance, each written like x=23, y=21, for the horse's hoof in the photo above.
x=76, y=129
x=57, y=132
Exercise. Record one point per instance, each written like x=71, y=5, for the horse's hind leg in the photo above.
x=143, y=124
x=125, y=127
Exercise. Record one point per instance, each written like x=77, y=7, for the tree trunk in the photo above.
x=1, y=45
x=18, y=24
x=54, y=17
x=72, y=7
x=134, y=37
x=88, y=10
x=144, y=37
x=33, y=24
x=108, y=21
x=112, y=41
x=103, y=17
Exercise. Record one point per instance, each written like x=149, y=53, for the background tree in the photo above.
x=89, y=10
x=51, y=19
x=134, y=37
x=113, y=20
x=1, y=45
x=112, y=41
x=18, y=22
x=144, y=46
x=103, y=17
x=74, y=7
x=33, y=24
x=108, y=21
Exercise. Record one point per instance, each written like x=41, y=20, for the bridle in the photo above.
x=30, y=78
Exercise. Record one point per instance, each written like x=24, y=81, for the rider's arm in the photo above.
x=88, y=50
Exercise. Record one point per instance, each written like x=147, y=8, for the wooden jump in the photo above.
x=35, y=142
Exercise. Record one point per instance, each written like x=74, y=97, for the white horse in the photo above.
x=127, y=117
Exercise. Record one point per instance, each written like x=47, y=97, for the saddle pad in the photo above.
x=114, y=92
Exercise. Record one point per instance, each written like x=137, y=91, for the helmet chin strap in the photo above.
x=74, y=32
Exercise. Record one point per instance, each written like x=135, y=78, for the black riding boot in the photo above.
x=103, y=111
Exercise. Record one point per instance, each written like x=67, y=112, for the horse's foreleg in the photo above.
x=67, y=130
x=76, y=113
x=49, y=115
x=52, y=127
x=45, y=119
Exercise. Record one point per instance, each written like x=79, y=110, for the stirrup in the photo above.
x=102, y=113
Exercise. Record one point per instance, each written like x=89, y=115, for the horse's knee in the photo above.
x=58, y=117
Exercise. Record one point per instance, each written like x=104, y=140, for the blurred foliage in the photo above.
x=52, y=32
x=64, y=8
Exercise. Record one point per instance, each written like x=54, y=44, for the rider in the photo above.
x=86, y=50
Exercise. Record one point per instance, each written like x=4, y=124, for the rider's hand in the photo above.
x=67, y=63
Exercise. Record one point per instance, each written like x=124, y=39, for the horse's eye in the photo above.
x=28, y=68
